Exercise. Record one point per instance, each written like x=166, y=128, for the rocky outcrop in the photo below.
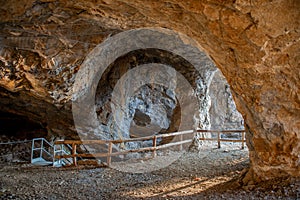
x=223, y=112
x=154, y=105
x=255, y=45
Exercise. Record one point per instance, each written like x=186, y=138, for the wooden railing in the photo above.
x=219, y=139
x=74, y=143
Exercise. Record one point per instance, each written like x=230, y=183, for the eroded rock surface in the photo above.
x=223, y=112
x=255, y=45
x=155, y=80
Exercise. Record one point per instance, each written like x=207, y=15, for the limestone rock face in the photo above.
x=151, y=95
x=255, y=45
x=223, y=112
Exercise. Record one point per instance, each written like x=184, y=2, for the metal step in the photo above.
x=41, y=162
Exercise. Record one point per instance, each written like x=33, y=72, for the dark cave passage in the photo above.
x=20, y=127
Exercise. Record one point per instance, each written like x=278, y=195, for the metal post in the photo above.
x=61, y=153
x=42, y=146
x=32, y=149
x=12, y=151
x=53, y=159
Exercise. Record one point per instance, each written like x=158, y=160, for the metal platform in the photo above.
x=41, y=162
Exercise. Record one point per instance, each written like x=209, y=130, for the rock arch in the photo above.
x=157, y=45
x=143, y=56
x=255, y=45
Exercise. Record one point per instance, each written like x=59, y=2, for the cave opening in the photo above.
x=16, y=127
x=254, y=44
x=154, y=109
x=16, y=133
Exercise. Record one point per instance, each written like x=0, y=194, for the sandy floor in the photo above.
x=210, y=174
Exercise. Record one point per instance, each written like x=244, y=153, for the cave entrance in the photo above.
x=16, y=127
x=16, y=133
x=109, y=118
x=153, y=108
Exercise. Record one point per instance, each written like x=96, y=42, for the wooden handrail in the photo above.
x=221, y=140
x=154, y=148
x=221, y=131
x=143, y=138
x=99, y=155
x=78, y=142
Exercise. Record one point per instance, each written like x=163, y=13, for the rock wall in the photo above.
x=223, y=112
x=254, y=43
x=153, y=108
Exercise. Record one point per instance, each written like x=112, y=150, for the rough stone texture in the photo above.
x=254, y=43
x=156, y=104
x=223, y=112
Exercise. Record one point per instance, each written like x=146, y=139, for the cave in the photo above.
x=46, y=45
x=16, y=133
x=20, y=127
x=151, y=104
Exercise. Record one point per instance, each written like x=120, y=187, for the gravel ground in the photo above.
x=210, y=174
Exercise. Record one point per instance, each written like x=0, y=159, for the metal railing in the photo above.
x=65, y=151
x=60, y=150
x=44, y=151
x=40, y=147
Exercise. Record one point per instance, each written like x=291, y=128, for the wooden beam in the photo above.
x=154, y=146
x=78, y=142
x=219, y=142
x=243, y=140
x=109, y=154
x=215, y=131
x=74, y=154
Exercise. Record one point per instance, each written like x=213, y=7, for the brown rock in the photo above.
x=255, y=45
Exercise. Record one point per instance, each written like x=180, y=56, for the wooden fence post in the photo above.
x=109, y=153
x=219, y=142
x=243, y=138
x=74, y=154
x=154, y=145
x=180, y=146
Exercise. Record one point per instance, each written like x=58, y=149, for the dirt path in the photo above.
x=209, y=174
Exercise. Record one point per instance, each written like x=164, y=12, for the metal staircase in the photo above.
x=60, y=150
x=43, y=153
